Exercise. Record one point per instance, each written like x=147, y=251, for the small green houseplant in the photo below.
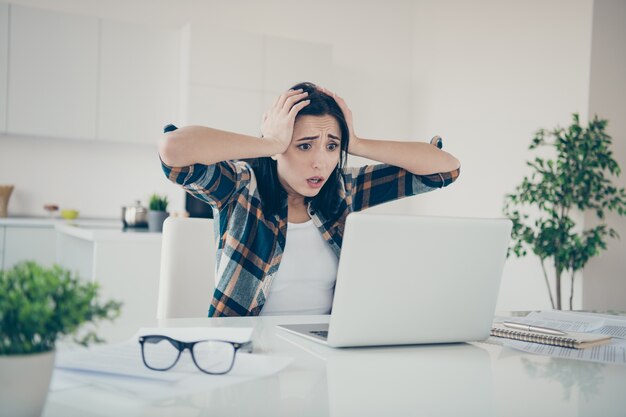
x=39, y=305
x=575, y=182
x=157, y=212
x=158, y=202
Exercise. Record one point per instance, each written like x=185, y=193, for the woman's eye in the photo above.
x=332, y=146
x=305, y=146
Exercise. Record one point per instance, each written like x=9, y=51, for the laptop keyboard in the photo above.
x=321, y=333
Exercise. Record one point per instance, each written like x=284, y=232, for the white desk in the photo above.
x=436, y=380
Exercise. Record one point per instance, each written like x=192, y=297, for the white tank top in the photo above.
x=305, y=281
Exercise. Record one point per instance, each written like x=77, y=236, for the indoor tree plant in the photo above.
x=39, y=305
x=574, y=182
x=157, y=212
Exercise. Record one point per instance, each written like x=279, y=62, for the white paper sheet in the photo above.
x=614, y=352
x=247, y=367
x=120, y=367
x=576, y=322
x=125, y=358
x=595, y=323
x=556, y=321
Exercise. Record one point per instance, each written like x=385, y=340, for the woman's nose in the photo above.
x=318, y=160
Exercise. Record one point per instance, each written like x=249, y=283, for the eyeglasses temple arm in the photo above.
x=246, y=347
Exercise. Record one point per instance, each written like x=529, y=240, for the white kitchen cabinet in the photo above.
x=234, y=77
x=225, y=108
x=126, y=266
x=139, y=81
x=4, y=63
x=29, y=243
x=223, y=87
x=226, y=58
x=53, y=73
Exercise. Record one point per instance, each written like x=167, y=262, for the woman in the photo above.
x=292, y=184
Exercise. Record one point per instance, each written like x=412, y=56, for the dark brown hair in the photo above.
x=327, y=201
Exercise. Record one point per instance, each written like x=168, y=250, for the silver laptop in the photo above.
x=414, y=280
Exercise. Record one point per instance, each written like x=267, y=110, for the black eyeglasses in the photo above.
x=215, y=357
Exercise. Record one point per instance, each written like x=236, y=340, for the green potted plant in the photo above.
x=573, y=183
x=157, y=212
x=38, y=306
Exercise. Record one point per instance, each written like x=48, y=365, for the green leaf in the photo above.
x=158, y=202
x=38, y=305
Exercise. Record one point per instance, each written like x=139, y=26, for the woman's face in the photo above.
x=311, y=157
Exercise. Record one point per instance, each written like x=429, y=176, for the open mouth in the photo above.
x=315, y=181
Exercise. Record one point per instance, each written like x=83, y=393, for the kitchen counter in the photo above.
x=108, y=233
x=53, y=222
x=35, y=238
x=91, y=229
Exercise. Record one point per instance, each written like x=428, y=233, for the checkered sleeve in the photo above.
x=371, y=185
x=215, y=184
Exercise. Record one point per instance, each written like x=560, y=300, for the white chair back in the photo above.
x=187, y=278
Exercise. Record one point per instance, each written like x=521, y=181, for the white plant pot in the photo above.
x=24, y=382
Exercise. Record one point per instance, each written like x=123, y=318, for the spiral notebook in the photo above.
x=573, y=340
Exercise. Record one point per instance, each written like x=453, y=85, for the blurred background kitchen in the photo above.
x=86, y=87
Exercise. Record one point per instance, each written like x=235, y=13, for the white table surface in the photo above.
x=476, y=379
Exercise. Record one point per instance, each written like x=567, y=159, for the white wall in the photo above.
x=96, y=178
x=486, y=75
x=605, y=277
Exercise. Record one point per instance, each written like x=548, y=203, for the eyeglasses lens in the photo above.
x=213, y=356
x=159, y=353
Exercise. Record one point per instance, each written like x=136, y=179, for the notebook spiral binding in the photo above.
x=545, y=339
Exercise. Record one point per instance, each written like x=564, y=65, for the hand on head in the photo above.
x=347, y=113
x=278, y=121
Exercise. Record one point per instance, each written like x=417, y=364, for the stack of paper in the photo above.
x=121, y=365
x=615, y=326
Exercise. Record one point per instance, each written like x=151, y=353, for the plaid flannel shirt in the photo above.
x=250, y=243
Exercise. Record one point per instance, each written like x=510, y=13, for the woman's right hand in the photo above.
x=278, y=121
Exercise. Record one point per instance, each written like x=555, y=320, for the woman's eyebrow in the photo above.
x=330, y=135
x=308, y=138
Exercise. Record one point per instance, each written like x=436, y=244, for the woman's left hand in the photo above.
x=354, y=139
